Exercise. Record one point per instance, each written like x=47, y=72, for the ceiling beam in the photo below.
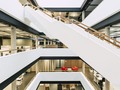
x=85, y=4
x=14, y=22
x=114, y=19
x=64, y=9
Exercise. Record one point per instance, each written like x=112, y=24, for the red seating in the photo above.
x=74, y=68
x=64, y=68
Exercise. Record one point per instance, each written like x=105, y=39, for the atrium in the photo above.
x=59, y=45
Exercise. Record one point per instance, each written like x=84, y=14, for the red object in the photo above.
x=74, y=68
x=64, y=68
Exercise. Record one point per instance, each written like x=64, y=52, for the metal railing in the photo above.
x=88, y=29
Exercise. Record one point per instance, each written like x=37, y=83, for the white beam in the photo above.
x=60, y=76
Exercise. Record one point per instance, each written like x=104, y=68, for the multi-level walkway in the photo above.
x=11, y=66
x=96, y=49
x=60, y=77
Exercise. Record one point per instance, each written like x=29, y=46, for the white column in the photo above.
x=36, y=41
x=107, y=85
x=12, y=86
x=47, y=65
x=13, y=39
x=13, y=46
x=83, y=64
x=37, y=63
x=83, y=67
x=41, y=65
x=52, y=65
x=83, y=15
x=51, y=42
x=44, y=42
x=48, y=42
x=107, y=30
x=37, y=67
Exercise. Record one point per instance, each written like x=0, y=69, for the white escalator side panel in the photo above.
x=41, y=21
x=102, y=59
x=104, y=10
x=105, y=60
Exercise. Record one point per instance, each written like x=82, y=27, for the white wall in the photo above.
x=19, y=42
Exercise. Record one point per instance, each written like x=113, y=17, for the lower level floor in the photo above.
x=93, y=76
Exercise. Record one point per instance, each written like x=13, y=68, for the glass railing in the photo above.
x=88, y=29
x=12, y=51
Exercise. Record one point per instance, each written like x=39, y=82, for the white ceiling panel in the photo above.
x=60, y=3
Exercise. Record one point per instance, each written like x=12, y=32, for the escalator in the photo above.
x=96, y=49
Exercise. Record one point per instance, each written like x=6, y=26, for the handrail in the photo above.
x=10, y=50
x=100, y=35
x=88, y=29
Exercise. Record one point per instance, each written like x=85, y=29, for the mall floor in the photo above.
x=29, y=76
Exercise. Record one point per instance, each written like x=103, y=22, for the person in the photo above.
x=18, y=49
x=101, y=84
x=22, y=48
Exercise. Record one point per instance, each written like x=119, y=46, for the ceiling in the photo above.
x=60, y=3
x=5, y=31
x=88, y=8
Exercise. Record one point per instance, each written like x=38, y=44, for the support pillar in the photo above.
x=50, y=66
x=44, y=43
x=83, y=64
x=59, y=87
x=13, y=85
x=37, y=63
x=83, y=15
x=13, y=46
x=107, y=85
x=83, y=67
x=13, y=39
x=36, y=41
x=1, y=43
x=107, y=30
x=37, y=67
x=51, y=42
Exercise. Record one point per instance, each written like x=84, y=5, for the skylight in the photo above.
x=60, y=3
